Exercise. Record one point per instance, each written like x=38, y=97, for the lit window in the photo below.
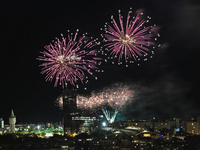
x=146, y=135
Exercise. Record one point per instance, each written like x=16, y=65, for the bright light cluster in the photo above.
x=130, y=39
x=67, y=61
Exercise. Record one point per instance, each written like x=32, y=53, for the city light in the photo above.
x=104, y=124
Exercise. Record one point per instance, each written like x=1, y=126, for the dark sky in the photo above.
x=167, y=85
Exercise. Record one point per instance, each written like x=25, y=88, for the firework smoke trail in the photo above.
x=116, y=96
x=67, y=61
x=90, y=102
x=83, y=102
x=129, y=40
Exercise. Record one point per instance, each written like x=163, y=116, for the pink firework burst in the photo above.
x=131, y=39
x=68, y=61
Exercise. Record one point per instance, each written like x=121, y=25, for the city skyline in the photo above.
x=168, y=84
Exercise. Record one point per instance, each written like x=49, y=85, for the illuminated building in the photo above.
x=137, y=124
x=70, y=111
x=74, y=120
x=145, y=134
x=1, y=123
x=83, y=141
x=183, y=125
x=158, y=125
x=12, y=121
x=192, y=127
x=86, y=122
x=125, y=143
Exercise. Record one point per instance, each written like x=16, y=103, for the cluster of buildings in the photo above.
x=76, y=121
x=12, y=121
x=175, y=133
x=93, y=132
x=12, y=127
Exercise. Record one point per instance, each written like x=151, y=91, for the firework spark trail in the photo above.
x=89, y=103
x=132, y=39
x=83, y=102
x=116, y=96
x=67, y=61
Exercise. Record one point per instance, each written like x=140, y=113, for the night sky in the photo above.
x=167, y=85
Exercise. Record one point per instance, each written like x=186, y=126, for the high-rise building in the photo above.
x=192, y=127
x=12, y=121
x=1, y=123
x=70, y=110
x=174, y=123
x=158, y=125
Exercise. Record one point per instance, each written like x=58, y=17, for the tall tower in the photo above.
x=12, y=121
x=1, y=123
x=70, y=111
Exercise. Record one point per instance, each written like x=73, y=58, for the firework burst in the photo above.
x=116, y=97
x=131, y=39
x=89, y=103
x=68, y=61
